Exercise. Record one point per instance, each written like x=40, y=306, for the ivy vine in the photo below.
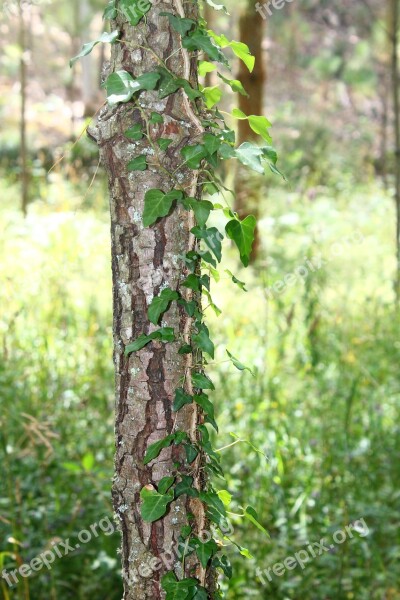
x=215, y=145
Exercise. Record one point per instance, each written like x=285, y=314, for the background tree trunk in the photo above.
x=145, y=261
x=251, y=32
x=248, y=187
x=394, y=34
x=89, y=90
x=23, y=96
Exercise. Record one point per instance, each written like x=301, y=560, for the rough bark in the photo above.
x=145, y=261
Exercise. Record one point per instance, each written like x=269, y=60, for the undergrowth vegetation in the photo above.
x=319, y=414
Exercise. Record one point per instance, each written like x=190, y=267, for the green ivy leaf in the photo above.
x=245, y=552
x=165, y=334
x=165, y=484
x=202, y=340
x=134, y=133
x=213, y=501
x=186, y=531
x=202, y=382
x=205, y=282
x=193, y=155
x=201, y=209
x=191, y=453
x=216, y=6
x=227, y=151
x=110, y=11
x=201, y=41
x=242, y=233
x=168, y=84
x=203, y=401
x=178, y=590
x=201, y=593
x=236, y=363
x=205, y=551
x=186, y=487
x=180, y=436
x=105, y=38
x=160, y=304
x=154, y=505
x=190, y=307
x=212, y=95
x=270, y=153
x=180, y=24
x=209, y=260
x=260, y=125
x=121, y=86
x=157, y=204
x=224, y=564
x=185, y=349
x=250, y=155
x=193, y=282
x=212, y=238
x=205, y=67
x=154, y=450
x=191, y=92
x=252, y=516
x=235, y=85
x=156, y=118
x=212, y=143
x=225, y=496
x=134, y=10
x=164, y=143
x=241, y=50
x=212, y=304
x=137, y=164
x=237, y=281
x=181, y=399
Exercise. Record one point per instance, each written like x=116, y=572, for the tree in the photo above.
x=159, y=145
x=394, y=24
x=146, y=261
x=23, y=138
x=251, y=32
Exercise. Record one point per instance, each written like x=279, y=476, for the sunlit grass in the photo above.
x=323, y=404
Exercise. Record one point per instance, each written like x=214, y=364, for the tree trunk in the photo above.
x=394, y=34
x=248, y=186
x=144, y=262
x=23, y=140
x=88, y=88
x=251, y=32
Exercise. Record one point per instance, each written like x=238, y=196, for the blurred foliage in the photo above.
x=56, y=390
x=323, y=405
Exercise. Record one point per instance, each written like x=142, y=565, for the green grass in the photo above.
x=323, y=405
